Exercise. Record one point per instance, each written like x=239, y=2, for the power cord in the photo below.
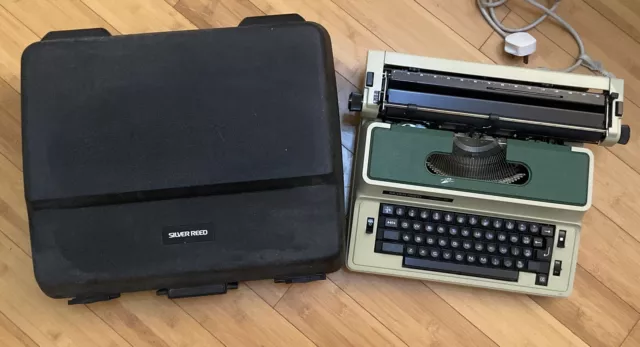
x=520, y=43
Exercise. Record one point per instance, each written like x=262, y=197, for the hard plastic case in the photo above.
x=182, y=161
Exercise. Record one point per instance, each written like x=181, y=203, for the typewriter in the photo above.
x=476, y=174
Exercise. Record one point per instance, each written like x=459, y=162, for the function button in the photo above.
x=391, y=223
x=542, y=279
x=557, y=267
x=562, y=236
x=461, y=219
x=412, y=212
x=400, y=211
x=370, y=222
x=546, y=231
x=387, y=209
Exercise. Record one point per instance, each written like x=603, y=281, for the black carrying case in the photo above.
x=182, y=161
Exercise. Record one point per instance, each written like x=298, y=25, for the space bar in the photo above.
x=459, y=269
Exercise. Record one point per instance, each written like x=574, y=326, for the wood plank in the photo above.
x=241, y=318
x=464, y=18
x=350, y=39
x=508, y=319
x=592, y=312
x=623, y=13
x=269, y=291
x=9, y=100
x=411, y=310
x=633, y=340
x=46, y=321
x=10, y=138
x=13, y=211
x=140, y=16
x=145, y=319
x=12, y=336
x=630, y=153
x=14, y=38
x=603, y=40
x=611, y=255
x=329, y=317
x=217, y=13
x=410, y=29
x=43, y=16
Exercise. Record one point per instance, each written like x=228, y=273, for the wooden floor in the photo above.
x=348, y=308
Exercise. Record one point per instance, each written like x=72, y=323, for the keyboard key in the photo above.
x=485, y=221
x=522, y=227
x=459, y=256
x=496, y=261
x=417, y=238
x=515, y=251
x=489, y=235
x=466, y=244
x=460, y=269
x=473, y=220
x=455, y=243
x=527, y=252
x=417, y=226
x=422, y=251
x=407, y=237
x=411, y=249
x=507, y=262
x=465, y=232
x=391, y=235
x=441, y=229
x=448, y=217
x=497, y=223
x=546, y=231
x=461, y=219
x=390, y=248
x=412, y=212
x=538, y=266
x=429, y=227
x=503, y=249
x=521, y=264
x=526, y=240
x=483, y=259
x=544, y=254
x=435, y=253
x=443, y=242
x=534, y=228
x=542, y=279
x=447, y=254
x=478, y=234
x=453, y=230
x=404, y=224
x=478, y=246
x=424, y=214
x=400, y=211
x=514, y=238
x=387, y=209
x=538, y=242
x=471, y=258
x=509, y=225
x=491, y=247
x=502, y=237
x=391, y=223
x=431, y=240
x=436, y=215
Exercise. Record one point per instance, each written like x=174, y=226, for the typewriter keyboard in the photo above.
x=465, y=244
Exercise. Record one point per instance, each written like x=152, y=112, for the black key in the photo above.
x=478, y=246
x=423, y=252
x=424, y=214
x=491, y=247
x=507, y=262
x=548, y=241
x=466, y=244
x=465, y=232
x=485, y=221
x=562, y=236
x=429, y=227
x=391, y=235
x=502, y=237
x=521, y=264
x=509, y=224
x=497, y=223
x=431, y=240
x=542, y=279
x=459, y=256
x=547, y=231
x=483, y=259
x=514, y=238
x=526, y=240
x=527, y=252
x=404, y=224
x=538, y=266
x=522, y=227
x=387, y=209
x=496, y=261
x=400, y=211
x=515, y=251
x=441, y=229
x=447, y=254
x=461, y=269
x=412, y=212
x=370, y=222
x=534, y=228
x=391, y=223
x=436, y=215
x=434, y=253
x=417, y=226
x=489, y=235
x=390, y=248
x=443, y=242
x=461, y=219
x=407, y=237
x=478, y=234
x=471, y=258
x=448, y=217
x=453, y=230
x=538, y=242
x=557, y=267
x=503, y=249
x=411, y=249
x=473, y=220
x=455, y=243
x=417, y=238
x=544, y=254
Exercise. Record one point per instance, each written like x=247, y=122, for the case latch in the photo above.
x=300, y=279
x=88, y=299
x=211, y=289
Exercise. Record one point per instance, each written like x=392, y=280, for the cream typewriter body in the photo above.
x=475, y=174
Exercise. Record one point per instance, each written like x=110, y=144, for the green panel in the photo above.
x=557, y=174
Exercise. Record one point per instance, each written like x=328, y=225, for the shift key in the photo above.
x=389, y=248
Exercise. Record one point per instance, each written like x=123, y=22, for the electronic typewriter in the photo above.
x=476, y=174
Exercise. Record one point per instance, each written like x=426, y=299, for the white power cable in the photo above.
x=487, y=8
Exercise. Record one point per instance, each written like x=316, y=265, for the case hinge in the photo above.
x=300, y=279
x=211, y=289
